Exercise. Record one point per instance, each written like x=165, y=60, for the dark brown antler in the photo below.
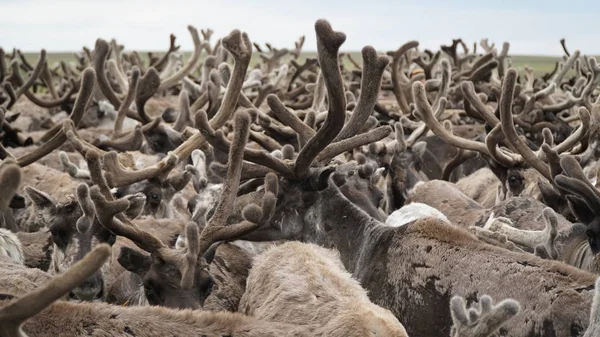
x=328, y=44
x=159, y=65
x=372, y=74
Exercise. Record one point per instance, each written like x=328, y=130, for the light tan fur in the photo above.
x=10, y=246
x=306, y=284
x=481, y=186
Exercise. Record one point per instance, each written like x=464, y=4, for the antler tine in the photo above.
x=399, y=135
x=10, y=179
x=80, y=144
x=14, y=314
x=304, y=131
x=191, y=256
x=12, y=95
x=578, y=135
x=428, y=116
x=172, y=48
x=147, y=87
x=468, y=90
x=580, y=188
x=106, y=212
x=576, y=182
x=117, y=176
x=183, y=118
x=444, y=85
x=506, y=120
x=491, y=141
x=328, y=45
x=216, y=229
x=484, y=320
x=395, y=69
x=189, y=66
x=71, y=168
x=84, y=223
x=34, y=75
x=218, y=140
x=88, y=79
x=131, y=141
x=372, y=75
x=334, y=149
x=101, y=51
x=131, y=92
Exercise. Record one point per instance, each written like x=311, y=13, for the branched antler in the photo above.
x=483, y=320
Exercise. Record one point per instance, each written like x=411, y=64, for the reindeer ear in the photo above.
x=419, y=148
x=134, y=261
x=550, y=196
x=41, y=199
x=210, y=253
x=580, y=209
x=499, y=171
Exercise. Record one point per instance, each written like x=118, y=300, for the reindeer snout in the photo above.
x=91, y=289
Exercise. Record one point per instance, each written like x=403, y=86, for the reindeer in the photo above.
x=319, y=286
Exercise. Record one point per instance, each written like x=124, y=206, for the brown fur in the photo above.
x=414, y=260
x=229, y=269
x=99, y=319
x=37, y=248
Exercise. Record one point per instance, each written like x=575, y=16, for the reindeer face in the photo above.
x=518, y=181
x=158, y=196
x=161, y=280
x=299, y=203
x=70, y=244
x=404, y=173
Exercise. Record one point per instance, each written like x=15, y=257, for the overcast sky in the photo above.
x=532, y=27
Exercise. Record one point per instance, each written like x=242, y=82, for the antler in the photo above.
x=215, y=230
x=88, y=79
x=530, y=238
x=240, y=47
x=13, y=315
x=483, y=320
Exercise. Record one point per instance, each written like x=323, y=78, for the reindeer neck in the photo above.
x=344, y=226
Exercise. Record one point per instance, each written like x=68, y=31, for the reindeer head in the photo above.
x=75, y=231
x=403, y=161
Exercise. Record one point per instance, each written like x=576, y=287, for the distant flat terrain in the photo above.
x=540, y=64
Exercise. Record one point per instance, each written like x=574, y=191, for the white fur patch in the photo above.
x=412, y=212
x=413, y=190
x=10, y=246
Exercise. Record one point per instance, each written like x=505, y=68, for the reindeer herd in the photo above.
x=415, y=193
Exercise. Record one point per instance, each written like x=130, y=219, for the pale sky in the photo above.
x=532, y=27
